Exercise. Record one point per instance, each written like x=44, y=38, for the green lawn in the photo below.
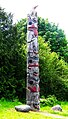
x=64, y=112
x=7, y=111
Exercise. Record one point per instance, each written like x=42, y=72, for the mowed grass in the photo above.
x=7, y=111
x=64, y=112
x=12, y=114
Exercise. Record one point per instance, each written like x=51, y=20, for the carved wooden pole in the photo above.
x=32, y=95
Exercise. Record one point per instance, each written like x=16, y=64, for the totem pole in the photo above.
x=32, y=95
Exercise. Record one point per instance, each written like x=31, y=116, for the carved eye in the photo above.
x=31, y=82
x=30, y=61
x=30, y=23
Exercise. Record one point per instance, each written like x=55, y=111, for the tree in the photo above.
x=12, y=59
x=54, y=36
x=22, y=31
x=53, y=73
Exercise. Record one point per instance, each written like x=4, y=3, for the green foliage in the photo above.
x=53, y=73
x=5, y=104
x=21, y=31
x=54, y=36
x=12, y=59
x=49, y=101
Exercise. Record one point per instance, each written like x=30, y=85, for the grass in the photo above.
x=64, y=112
x=12, y=114
x=7, y=111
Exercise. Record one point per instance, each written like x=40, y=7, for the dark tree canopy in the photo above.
x=54, y=36
x=12, y=60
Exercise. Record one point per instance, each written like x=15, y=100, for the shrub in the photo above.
x=49, y=101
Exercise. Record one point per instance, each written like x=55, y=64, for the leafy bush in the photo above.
x=53, y=73
x=49, y=101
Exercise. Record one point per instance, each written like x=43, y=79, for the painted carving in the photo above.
x=32, y=61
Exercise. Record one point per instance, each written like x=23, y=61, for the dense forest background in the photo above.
x=53, y=58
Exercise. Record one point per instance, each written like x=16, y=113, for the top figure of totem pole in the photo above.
x=32, y=95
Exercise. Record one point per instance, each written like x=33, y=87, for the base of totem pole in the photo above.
x=34, y=107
